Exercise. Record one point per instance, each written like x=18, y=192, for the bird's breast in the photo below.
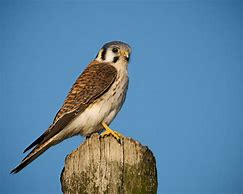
x=105, y=108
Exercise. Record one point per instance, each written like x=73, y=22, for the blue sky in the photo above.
x=184, y=99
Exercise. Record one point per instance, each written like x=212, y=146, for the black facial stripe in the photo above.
x=103, y=53
x=115, y=59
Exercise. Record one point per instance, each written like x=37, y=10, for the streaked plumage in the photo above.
x=95, y=98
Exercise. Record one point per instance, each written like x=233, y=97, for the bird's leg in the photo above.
x=109, y=131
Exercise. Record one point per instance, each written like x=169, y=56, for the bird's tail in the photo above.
x=35, y=153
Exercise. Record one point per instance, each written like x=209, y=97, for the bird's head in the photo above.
x=114, y=52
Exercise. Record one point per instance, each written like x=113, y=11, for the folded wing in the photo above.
x=96, y=79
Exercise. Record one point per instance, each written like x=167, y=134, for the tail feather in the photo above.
x=35, y=153
x=36, y=142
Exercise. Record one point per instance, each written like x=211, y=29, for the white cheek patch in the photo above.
x=105, y=56
x=109, y=56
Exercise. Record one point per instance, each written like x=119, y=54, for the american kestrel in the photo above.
x=92, y=103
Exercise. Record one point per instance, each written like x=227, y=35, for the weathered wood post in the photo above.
x=102, y=165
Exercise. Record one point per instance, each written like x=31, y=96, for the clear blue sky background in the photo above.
x=185, y=99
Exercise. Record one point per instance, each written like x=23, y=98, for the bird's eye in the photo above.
x=115, y=50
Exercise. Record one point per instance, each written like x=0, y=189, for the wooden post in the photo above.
x=102, y=165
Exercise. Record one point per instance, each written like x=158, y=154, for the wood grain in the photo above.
x=102, y=165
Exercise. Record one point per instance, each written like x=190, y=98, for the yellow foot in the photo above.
x=109, y=131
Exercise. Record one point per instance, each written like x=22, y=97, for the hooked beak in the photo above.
x=125, y=54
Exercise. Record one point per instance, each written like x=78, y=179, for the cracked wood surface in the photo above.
x=102, y=165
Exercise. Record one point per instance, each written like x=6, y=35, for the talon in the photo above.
x=109, y=131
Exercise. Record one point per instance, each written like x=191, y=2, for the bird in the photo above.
x=91, y=104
